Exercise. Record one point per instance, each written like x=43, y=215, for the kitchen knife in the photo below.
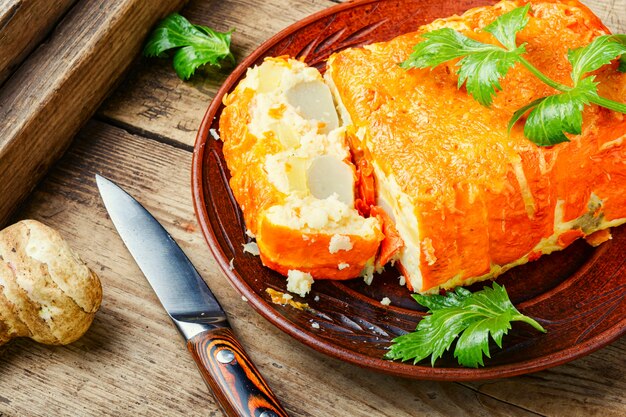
x=226, y=368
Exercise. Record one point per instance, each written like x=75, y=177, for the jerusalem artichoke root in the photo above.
x=47, y=293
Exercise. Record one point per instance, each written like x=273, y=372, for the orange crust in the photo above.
x=283, y=249
x=454, y=158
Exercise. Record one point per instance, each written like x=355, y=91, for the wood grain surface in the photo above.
x=60, y=85
x=133, y=362
x=16, y=42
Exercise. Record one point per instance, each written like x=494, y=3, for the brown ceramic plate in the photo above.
x=577, y=294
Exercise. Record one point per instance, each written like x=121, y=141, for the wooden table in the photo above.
x=133, y=362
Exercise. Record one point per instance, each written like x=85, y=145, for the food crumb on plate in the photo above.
x=244, y=298
x=231, y=264
x=299, y=282
x=385, y=301
x=251, y=248
x=317, y=298
x=214, y=134
x=285, y=299
x=402, y=280
x=315, y=325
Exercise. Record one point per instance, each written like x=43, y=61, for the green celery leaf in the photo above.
x=470, y=317
x=433, y=336
x=224, y=38
x=522, y=111
x=494, y=313
x=172, y=32
x=443, y=45
x=436, y=302
x=562, y=113
x=189, y=58
x=505, y=27
x=481, y=72
x=197, y=45
x=480, y=69
x=598, y=53
x=473, y=344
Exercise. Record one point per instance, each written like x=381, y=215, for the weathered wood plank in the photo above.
x=61, y=85
x=132, y=361
x=589, y=386
x=23, y=24
x=154, y=102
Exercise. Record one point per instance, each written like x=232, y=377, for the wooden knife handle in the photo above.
x=228, y=371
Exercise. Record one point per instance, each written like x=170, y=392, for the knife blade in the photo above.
x=224, y=365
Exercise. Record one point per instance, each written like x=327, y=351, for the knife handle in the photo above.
x=228, y=371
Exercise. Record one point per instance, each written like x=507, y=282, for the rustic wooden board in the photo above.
x=132, y=361
x=23, y=24
x=585, y=387
x=60, y=86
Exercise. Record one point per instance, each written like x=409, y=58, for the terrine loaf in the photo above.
x=470, y=200
x=404, y=167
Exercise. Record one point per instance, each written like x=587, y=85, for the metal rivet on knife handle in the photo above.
x=225, y=356
x=239, y=388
